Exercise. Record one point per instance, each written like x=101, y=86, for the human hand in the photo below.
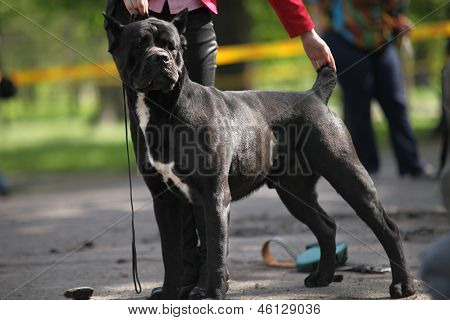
x=317, y=50
x=136, y=7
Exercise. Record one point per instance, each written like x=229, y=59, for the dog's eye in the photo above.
x=141, y=43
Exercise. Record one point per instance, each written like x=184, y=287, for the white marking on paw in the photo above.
x=165, y=169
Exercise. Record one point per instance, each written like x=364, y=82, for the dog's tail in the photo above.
x=325, y=83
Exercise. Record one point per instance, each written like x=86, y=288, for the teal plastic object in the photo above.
x=308, y=260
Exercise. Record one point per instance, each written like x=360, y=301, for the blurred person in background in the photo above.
x=200, y=59
x=359, y=34
x=7, y=90
x=435, y=269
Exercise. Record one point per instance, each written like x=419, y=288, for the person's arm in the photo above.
x=293, y=16
x=297, y=22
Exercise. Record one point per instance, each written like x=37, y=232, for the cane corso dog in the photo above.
x=209, y=147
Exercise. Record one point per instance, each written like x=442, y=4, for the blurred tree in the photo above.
x=80, y=25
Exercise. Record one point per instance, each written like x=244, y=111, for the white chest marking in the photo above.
x=165, y=169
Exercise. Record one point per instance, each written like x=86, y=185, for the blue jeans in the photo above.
x=379, y=75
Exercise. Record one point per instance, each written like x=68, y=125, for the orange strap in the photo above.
x=271, y=261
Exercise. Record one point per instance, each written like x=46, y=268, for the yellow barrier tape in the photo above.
x=226, y=55
x=251, y=52
x=427, y=31
x=65, y=73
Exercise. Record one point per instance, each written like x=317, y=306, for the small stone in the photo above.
x=80, y=293
x=54, y=250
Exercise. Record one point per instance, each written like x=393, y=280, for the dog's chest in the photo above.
x=165, y=169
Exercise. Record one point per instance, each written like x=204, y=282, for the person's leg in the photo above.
x=200, y=56
x=390, y=92
x=356, y=81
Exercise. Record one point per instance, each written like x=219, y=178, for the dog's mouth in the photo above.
x=154, y=78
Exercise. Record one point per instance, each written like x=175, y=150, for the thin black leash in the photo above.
x=137, y=283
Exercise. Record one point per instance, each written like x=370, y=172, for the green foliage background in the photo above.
x=49, y=128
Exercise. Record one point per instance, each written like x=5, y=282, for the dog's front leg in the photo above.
x=216, y=207
x=168, y=215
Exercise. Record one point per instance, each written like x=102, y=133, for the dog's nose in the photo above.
x=160, y=57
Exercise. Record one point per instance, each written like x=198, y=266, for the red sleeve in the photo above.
x=293, y=16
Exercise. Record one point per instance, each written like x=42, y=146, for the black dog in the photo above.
x=210, y=147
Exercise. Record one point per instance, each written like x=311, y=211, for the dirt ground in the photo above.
x=60, y=232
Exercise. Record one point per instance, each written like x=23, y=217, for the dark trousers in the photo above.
x=200, y=61
x=379, y=75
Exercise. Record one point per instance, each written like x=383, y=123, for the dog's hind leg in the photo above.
x=299, y=196
x=336, y=160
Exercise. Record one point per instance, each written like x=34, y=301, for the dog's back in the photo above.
x=279, y=106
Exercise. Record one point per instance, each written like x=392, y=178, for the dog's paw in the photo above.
x=160, y=293
x=185, y=291
x=318, y=279
x=218, y=293
x=197, y=294
x=156, y=294
x=401, y=290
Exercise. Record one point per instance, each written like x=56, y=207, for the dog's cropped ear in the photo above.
x=180, y=21
x=116, y=29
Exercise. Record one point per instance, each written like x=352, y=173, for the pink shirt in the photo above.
x=175, y=6
x=292, y=13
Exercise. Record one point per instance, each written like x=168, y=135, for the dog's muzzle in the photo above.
x=158, y=71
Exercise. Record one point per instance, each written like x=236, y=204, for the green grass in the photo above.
x=61, y=146
x=74, y=146
x=45, y=139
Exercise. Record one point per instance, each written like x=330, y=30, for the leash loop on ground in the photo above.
x=271, y=261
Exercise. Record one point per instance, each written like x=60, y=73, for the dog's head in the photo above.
x=149, y=53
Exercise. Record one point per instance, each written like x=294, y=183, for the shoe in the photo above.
x=426, y=173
